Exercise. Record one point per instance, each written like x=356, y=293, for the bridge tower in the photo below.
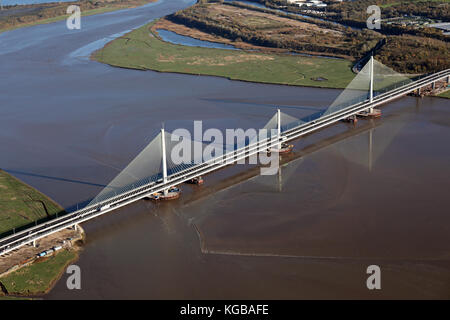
x=164, y=160
x=371, y=83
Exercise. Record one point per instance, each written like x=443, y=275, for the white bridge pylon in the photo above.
x=373, y=79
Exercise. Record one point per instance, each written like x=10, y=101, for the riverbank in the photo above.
x=22, y=205
x=243, y=43
x=143, y=49
x=22, y=271
x=19, y=16
x=38, y=277
x=445, y=94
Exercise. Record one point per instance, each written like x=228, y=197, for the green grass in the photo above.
x=140, y=49
x=14, y=298
x=445, y=94
x=38, y=277
x=21, y=204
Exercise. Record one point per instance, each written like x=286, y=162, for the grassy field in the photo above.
x=141, y=49
x=38, y=277
x=445, y=94
x=21, y=204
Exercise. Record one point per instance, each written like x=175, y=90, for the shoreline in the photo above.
x=106, y=9
x=171, y=57
x=92, y=58
x=95, y=57
x=26, y=270
x=444, y=94
x=37, y=192
x=221, y=77
x=75, y=247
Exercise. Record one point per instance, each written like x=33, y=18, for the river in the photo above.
x=67, y=125
x=20, y=2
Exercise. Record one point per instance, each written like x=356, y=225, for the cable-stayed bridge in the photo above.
x=152, y=171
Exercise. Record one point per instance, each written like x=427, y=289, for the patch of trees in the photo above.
x=409, y=54
x=354, y=14
x=394, y=8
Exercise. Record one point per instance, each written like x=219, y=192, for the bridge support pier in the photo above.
x=433, y=85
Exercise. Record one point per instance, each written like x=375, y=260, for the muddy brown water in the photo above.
x=67, y=125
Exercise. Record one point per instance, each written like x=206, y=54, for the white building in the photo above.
x=307, y=3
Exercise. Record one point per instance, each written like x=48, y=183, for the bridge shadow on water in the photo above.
x=267, y=105
x=30, y=174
